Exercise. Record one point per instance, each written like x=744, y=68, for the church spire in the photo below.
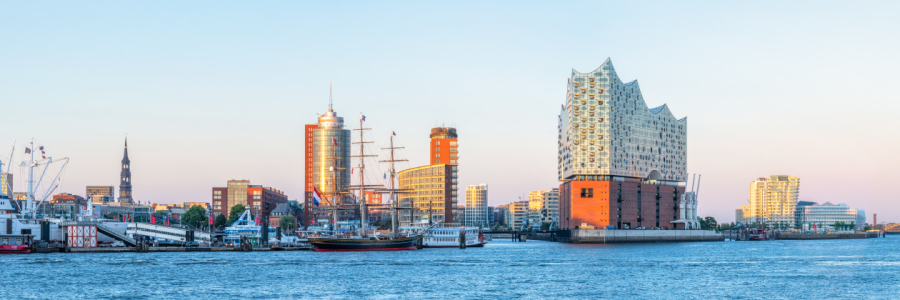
x=125, y=178
x=125, y=157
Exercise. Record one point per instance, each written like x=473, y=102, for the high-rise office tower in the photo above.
x=125, y=178
x=330, y=145
x=308, y=172
x=476, y=205
x=621, y=162
x=773, y=201
x=444, y=146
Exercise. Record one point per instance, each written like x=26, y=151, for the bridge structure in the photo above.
x=522, y=235
x=172, y=233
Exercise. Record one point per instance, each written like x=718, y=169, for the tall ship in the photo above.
x=362, y=239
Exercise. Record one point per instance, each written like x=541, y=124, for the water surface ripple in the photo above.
x=846, y=269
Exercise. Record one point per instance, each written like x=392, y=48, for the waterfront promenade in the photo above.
x=783, y=269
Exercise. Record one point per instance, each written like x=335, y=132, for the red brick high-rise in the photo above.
x=443, y=146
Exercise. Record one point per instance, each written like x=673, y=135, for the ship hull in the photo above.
x=453, y=246
x=339, y=244
x=13, y=249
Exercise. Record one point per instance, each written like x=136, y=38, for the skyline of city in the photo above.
x=194, y=125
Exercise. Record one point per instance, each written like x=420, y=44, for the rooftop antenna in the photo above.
x=329, y=97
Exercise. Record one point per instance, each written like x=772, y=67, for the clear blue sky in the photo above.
x=217, y=90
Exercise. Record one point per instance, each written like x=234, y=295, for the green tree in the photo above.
x=545, y=226
x=194, y=216
x=236, y=212
x=220, y=221
x=287, y=222
x=708, y=223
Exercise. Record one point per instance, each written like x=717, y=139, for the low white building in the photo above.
x=828, y=215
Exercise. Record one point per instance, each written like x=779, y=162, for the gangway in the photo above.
x=105, y=230
x=172, y=233
x=113, y=234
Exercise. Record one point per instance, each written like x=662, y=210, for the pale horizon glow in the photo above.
x=213, y=91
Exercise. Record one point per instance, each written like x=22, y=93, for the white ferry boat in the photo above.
x=447, y=236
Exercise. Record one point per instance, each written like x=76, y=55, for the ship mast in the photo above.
x=363, y=210
x=334, y=192
x=29, y=196
x=394, y=202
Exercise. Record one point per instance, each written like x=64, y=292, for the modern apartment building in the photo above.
x=99, y=194
x=432, y=191
x=517, y=214
x=621, y=162
x=257, y=198
x=773, y=201
x=330, y=161
x=444, y=148
x=826, y=215
x=501, y=214
x=476, y=205
x=6, y=184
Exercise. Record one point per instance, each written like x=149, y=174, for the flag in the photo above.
x=258, y=221
x=351, y=171
x=385, y=175
x=363, y=117
x=210, y=220
x=316, y=196
x=152, y=219
x=393, y=132
x=42, y=148
x=27, y=150
x=334, y=141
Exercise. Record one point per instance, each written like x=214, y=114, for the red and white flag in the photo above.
x=334, y=141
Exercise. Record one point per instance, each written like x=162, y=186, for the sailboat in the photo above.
x=363, y=241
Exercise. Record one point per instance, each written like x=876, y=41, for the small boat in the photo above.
x=10, y=244
x=758, y=235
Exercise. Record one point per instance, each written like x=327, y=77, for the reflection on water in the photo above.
x=767, y=269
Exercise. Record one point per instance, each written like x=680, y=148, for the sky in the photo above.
x=209, y=91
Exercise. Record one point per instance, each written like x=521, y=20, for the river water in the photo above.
x=848, y=269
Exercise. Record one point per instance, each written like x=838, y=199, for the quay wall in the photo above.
x=812, y=236
x=615, y=236
x=172, y=249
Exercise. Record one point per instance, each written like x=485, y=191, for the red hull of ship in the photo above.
x=12, y=249
x=373, y=249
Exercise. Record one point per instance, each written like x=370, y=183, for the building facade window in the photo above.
x=587, y=193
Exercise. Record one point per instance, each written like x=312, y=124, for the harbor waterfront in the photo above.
x=856, y=269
